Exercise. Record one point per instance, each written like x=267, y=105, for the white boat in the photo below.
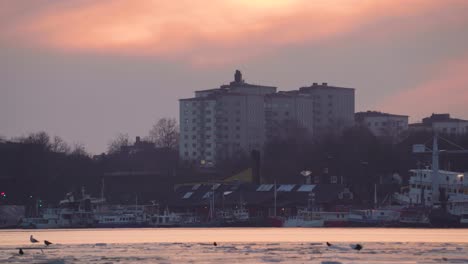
x=166, y=219
x=11, y=215
x=373, y=217
x=71, y=213
x=120, y=216
x=305, y=218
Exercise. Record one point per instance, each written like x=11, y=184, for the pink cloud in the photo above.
x=445, y=91
x=204, y=31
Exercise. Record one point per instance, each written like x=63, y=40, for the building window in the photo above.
x=194, y=128
x=194, y=153
x=185, y=145
x=194, y=120
x=208, y=120
x=194, y=145
x=237, y=127
x=186, y=153
x=207, y=136
x=208, y=144
x=286, y=113
x=185, y=137
x=237, y=136
x=194, y=137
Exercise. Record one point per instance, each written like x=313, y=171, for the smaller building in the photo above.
x=442, y=123
x=383, y=124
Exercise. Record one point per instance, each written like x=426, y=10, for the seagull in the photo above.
x=21, y=251
x=329, y=245
x=47, y=243
x=33, y=240
x=357, y=247
x=215, y=244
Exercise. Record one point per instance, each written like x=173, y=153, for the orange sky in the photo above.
x=402, y=56
x=199, y=31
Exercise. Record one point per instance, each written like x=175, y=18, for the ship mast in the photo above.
x=435, y=169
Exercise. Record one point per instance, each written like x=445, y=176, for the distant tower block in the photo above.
x=238, y=77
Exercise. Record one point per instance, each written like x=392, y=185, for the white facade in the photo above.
x=458, y=127
x=383, y=124
x=333, y=107
x=443, y=124
x=219, y=123
x=281, y=108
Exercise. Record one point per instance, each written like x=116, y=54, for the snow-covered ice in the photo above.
x=275, y=251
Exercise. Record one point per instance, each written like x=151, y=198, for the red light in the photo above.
x=2, y=193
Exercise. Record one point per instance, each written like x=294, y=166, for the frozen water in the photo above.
x=80, y=246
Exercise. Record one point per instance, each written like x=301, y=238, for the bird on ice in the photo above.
x=357, y=247
x=33, y=240
x=47, y=243
x=21, y=251
x=215, y=244
x=329, y=245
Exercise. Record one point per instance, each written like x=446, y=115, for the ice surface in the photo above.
x=70, y=249
x=235, y=253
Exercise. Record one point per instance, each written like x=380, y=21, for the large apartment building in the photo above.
x=239, y=117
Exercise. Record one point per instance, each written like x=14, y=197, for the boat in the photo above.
x=444, y=193
x=335, y=219
x=166, y=219
x=415, y=217
x=71, y=213
x=11, y=215
x=373, y=217
x=305, y=218
x=120, y=216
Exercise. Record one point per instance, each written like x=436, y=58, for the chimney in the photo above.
x=314, y=84
x=137, y=140
x=255, y=155
x=324, y=84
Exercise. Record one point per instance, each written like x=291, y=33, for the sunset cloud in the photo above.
x=445, y=91
x=198, y=31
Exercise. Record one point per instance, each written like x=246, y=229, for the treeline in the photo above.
x=39, y=167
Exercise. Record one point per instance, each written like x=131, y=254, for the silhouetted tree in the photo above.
x=41, y=139
x=79, y=149
x=59, y=145
x=165, y=133
x=115, y=145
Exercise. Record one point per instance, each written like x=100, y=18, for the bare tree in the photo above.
x=39, y=138
x=59, y=145
x=79, y=149
x=165, y=133
x=115, y=145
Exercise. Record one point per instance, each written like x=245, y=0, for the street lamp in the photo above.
x=306, y=173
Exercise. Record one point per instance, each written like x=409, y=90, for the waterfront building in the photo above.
x=442, y=123
x=383, y=124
